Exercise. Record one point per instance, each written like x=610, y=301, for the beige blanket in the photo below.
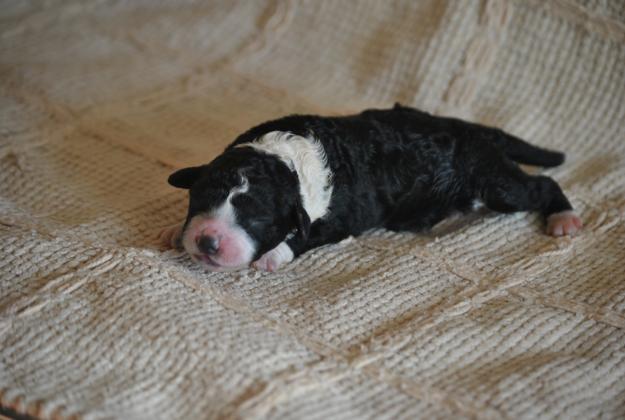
x=485, y=317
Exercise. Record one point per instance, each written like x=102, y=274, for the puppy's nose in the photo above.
x=208, y=244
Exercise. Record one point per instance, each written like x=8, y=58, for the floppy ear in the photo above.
x=184, y=178
x=302, y=221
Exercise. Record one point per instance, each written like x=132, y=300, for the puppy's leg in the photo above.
x=321, y=233
x=170, y=236
x=509, y=189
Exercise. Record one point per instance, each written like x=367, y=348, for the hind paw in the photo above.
x=563, y=223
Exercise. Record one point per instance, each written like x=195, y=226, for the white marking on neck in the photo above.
x=304, y=156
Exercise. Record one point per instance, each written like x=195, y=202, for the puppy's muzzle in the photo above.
x=207, y=244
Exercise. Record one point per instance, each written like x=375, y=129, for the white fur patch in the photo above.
x=477, y=204
x=306, y=157
x=241, y=189
x=225, y=211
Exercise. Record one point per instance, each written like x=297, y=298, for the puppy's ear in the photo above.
x=184, y=178
x=302, y=221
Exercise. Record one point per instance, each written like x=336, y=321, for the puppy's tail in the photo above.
x=522, y=152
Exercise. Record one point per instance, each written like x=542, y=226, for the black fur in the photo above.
x=401, y=169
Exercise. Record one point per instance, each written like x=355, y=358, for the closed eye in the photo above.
x=259, y=221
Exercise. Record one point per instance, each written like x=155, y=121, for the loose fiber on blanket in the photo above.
x=485, y=317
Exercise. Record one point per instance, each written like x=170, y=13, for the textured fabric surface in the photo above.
x=484, y=317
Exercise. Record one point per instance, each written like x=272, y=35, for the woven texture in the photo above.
x=484, y=317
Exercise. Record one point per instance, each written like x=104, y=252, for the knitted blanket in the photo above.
x=484, y=317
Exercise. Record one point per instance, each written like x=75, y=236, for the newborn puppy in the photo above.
x=303, y=181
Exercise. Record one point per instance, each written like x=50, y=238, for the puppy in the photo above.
x=302, y=181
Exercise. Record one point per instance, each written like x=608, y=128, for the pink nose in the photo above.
x=207, y=244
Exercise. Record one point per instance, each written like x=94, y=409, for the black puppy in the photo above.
x=302, y=181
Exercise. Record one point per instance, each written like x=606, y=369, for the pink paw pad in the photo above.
x=563, y=223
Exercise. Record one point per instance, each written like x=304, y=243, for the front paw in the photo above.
x=274, y=259
x=170, y=237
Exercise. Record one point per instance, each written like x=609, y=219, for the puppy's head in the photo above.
x=241, y=205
